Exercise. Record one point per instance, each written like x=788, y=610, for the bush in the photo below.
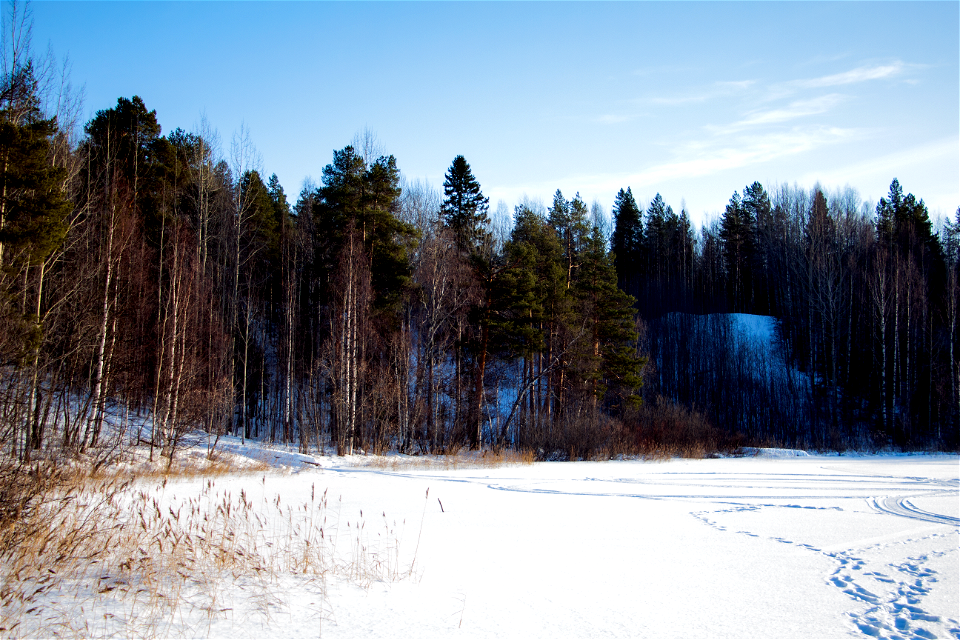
x=663, y=429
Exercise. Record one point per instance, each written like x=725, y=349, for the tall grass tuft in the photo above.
x=112, y=555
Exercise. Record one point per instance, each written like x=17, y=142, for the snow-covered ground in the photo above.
x=773, y=545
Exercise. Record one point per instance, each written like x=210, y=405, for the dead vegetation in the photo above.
x=108, y=554
x=663, y=429
x=486, y=459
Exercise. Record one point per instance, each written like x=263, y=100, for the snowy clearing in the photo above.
x=770, y=546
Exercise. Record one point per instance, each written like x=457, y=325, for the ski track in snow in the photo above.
x=898, y=506
x=888, y=596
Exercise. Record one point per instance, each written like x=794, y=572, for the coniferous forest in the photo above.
x=156, y=275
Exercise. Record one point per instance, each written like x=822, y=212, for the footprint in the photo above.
x=860, y=593
x=868, y=629
x=879, y=577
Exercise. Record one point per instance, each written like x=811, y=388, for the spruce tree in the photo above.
x=464, y=207
x=756, y=203
x=656, y=239
x=626, y=240
x=738, y=235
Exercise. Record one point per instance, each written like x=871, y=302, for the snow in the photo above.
x=759, y=329
x=758, y=336
x=780, y=544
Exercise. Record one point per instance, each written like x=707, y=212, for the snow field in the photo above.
x=772, y=546
x=612, y=549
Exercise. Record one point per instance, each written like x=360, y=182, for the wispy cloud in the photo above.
x=779, y=115
x=866, y=73
x=696, y=159
x=713, y=91
x=781, y=90
x=860, y=74
x=742, y=124
x=614, y=118
x=705, y=158
x=792, y=111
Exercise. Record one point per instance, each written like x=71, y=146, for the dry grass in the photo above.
x=460, y=460
x=109, y=555
x=189, y=463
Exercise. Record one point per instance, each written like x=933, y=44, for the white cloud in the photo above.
x=794, y=110
x=860, y=74
x=715, y=90
x=704, y=158
x=692, y=160
x=764, y=124
x=779, y=115
x=781, y=90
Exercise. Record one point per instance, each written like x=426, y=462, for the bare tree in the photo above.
x=244, y=158
x=350, y=323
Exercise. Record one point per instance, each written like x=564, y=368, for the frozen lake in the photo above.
x=773, y=546
x=782, y=547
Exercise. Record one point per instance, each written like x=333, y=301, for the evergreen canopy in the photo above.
x=464, y=207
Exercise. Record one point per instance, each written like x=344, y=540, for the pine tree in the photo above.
x=33, y=225
x=367, y=198
x=261, y=232
x=119, y=142
x=536, y=280
x=904, y=223
x=609, y=362
x=570, y=222
x=536, y=251
x=390, y=240
x=281, y=207
x=683, y=254
x=33, y=205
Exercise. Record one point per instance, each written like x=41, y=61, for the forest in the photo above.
x=157, y=277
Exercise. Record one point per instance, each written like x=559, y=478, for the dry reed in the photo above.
x=109, y=555
x=461, y=460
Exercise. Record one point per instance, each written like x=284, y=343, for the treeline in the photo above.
x=147, y=276
x=865, y=301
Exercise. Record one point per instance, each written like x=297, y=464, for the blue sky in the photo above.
x=692, y=100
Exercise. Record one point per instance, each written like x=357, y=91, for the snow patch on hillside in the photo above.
x=759, y=329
